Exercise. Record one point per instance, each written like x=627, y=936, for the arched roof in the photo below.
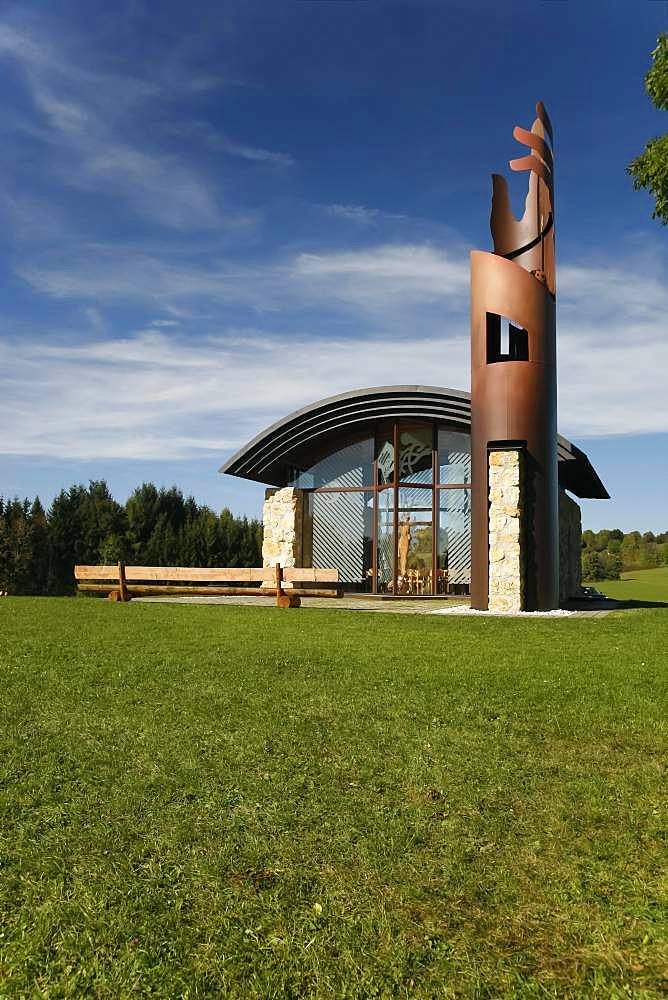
x=301, y=437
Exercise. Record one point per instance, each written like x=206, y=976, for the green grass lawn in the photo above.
x=638, y=585
x=243, y=802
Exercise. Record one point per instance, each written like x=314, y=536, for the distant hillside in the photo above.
x=607, y=553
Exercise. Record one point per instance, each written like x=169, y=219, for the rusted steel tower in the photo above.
x=513, y=376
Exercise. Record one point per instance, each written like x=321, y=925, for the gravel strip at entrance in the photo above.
x=462, y=610
x=411, y=606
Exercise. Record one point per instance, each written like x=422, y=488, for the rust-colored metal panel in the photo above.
x=515, y=401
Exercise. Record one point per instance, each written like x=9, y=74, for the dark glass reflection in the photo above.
x=415, y=454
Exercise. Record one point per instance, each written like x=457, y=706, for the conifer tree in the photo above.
x=39, y=543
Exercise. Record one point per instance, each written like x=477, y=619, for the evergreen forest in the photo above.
x=85, y=525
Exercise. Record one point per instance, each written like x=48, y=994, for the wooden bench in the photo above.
x=122, y=582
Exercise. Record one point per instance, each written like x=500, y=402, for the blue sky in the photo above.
x=216, y=213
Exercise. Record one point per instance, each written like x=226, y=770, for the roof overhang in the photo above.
x=300, y=438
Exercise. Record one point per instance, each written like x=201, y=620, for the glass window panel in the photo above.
x=454, y=457
x=385, y=454
x=385, y=540
x=415, y=453
x=342, y=536
x=414, y=541
x=349, y=466
x=454, y=541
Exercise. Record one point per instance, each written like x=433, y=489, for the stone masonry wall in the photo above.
x=506, y=557
x=570, y=546
x=282, y=516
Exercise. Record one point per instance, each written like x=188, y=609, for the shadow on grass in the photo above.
x=623, y=605
x=613, y=604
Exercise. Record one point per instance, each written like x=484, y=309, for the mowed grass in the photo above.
x=244, y=802
x=638, y=585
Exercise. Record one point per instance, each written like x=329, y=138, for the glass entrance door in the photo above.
x=415, y=541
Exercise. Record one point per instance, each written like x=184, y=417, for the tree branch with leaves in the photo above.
x=650, y=169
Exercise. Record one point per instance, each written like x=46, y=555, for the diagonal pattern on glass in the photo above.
x=454, y=457
x=343, y=535
x=454, y=539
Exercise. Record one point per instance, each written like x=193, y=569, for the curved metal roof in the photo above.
x=301, y=437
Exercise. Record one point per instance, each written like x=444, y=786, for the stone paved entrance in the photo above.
x=353, y=602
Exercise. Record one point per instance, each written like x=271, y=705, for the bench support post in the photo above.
x=284, y=600
x=122, y=593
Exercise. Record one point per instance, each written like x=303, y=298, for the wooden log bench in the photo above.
x=122, y=582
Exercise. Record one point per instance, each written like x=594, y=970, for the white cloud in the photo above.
x=153, y=396
x=391, y=283
x=256, y=154
x=379, y=277
x=613, y=387
x=222, y=143
x=158, y=186
x=354, y=213
x=119, y=274
x=156, y=395
x=608, y=293
x=176, y=395
x=88, y=122
x=612, y=348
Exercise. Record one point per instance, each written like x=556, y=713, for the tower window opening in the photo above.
x=505, y=341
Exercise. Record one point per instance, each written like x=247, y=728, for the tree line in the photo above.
x=609, y=552
x=159, y=527
x=156, y=527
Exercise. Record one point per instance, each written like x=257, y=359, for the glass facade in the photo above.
x=351, y=466
x=385, y=546
x=454, y=541
x=454, y=457
x=415, y=446
x=385, y=454
x=392, y=512
x=342, y=534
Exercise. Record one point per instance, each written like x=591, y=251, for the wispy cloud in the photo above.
x=613, y=352
x=87, y=120
x=157, y=394
x=408, y=273
x=256, y=154
x=114, y=274
x=154, y=396
x=628, y=289
x=216, y=140
x=389, y=283
x=354, y=213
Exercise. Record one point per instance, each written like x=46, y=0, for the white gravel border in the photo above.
x=463, y=609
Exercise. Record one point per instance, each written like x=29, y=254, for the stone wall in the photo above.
x=570, y=546
x=506, y=556
x=282, y=516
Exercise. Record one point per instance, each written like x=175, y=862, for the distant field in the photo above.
x=638, y=585
x=239, y=802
